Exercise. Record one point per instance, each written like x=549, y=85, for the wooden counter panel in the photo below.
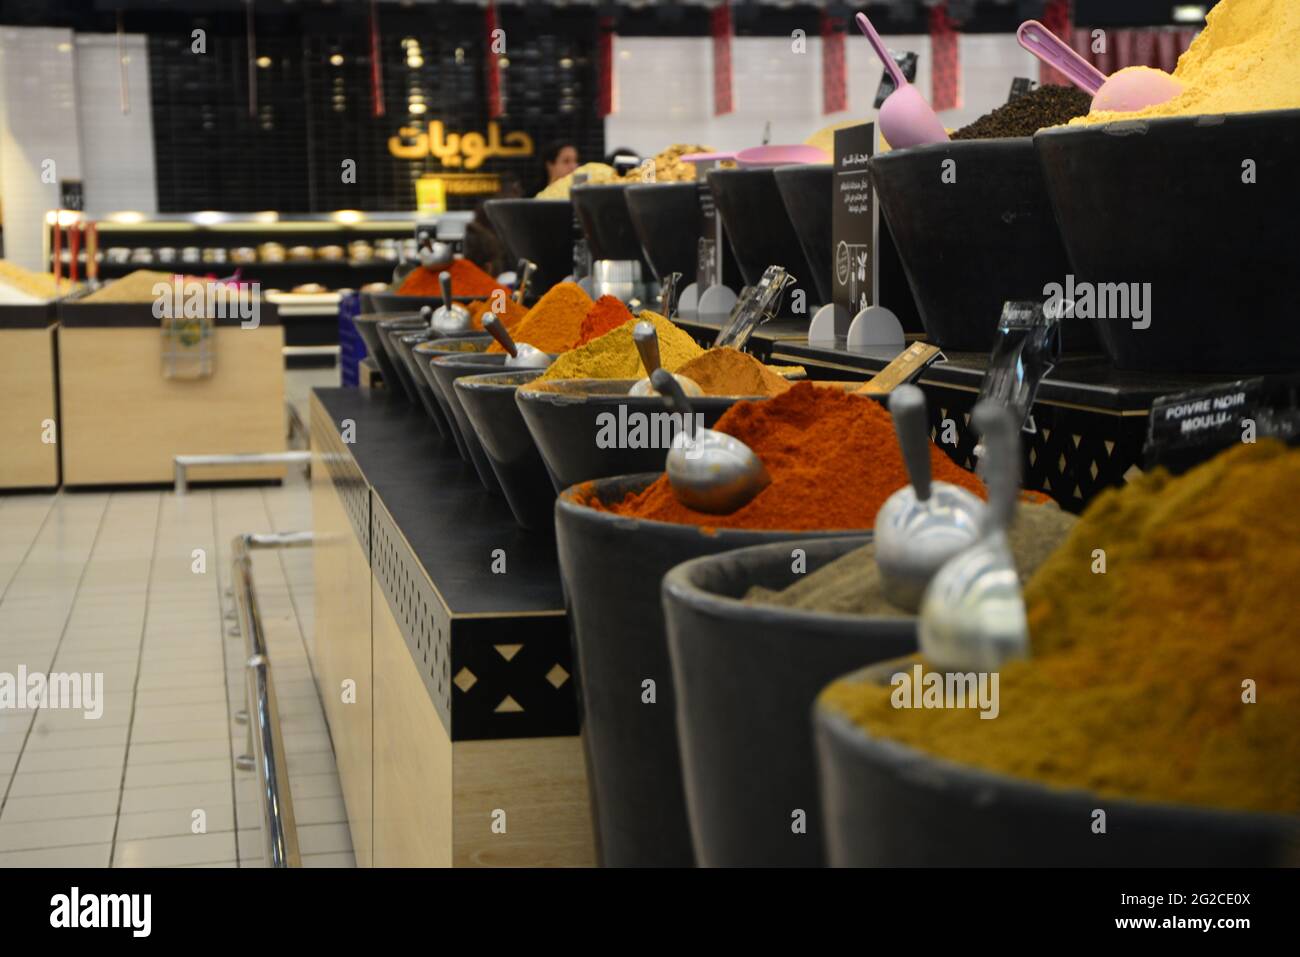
x=27, y=380
x=122, y=422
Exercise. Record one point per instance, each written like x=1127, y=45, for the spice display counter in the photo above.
x=123, y=422
x=442, y=651
x=29, y=412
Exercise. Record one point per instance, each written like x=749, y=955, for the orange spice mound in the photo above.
x=728, y=371
x=467, y=279
x=832, y=456
x=606, y=315
x=553, y=324
x=512, y=313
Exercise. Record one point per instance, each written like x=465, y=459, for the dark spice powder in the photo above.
x=1028, y=113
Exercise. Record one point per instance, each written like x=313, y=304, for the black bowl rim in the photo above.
x=489, y=381
x=969, y=778
x=1161, y=123
x=549, y=397
x=680, y=581
x=645, y=187
x=567, y=500
x=518, y=200
x=583, y=187
x=803, y=166
x=451, y=359
x=478, y=336
x=1001, y=142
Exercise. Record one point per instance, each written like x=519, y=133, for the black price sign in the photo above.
x=1019, y=87
x=907, y=64
x=853, y=225
x=72, y=195
x=1190, y=427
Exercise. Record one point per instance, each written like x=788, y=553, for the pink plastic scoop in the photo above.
x=1132, y=88
x=764, y=156
x=905, y=118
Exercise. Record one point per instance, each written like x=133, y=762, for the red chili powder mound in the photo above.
x=832, y=456
x=606, y=315
x=467, y=279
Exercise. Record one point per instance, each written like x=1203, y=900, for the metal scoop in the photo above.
x=924, y=524
x=973, y=614
x=668, y=295
x=451, y=318
x=647, y=343
x=709, y=471
x=518, y=356
x=524, y=273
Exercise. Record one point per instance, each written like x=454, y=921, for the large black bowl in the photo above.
x=367, y=325
x=390, y=330
x=972, y=235
x=406, y=345
x=537, y=229
x=470, y=343
x=489, y=404
x=389, y=303
x=746, y=677
x=887, y=804
x=760, y=230
x=444, y=371
x=666, y=217
x=571, y=422
x=607, y=224
x=807, y=194
x=611, y=567
x=1167, y=202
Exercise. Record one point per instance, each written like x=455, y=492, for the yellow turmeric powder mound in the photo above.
x=614, y=355
x=555, y=322
x=728, y=371
x=1174, y=674
x=1244, y=60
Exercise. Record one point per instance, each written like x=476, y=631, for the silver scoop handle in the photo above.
x=444, y=280
x=498, y=331
x=671, y=390
x=668, y=294
x=524, y=273
x=997, y=427
x=907, y=406
x=647, y=344
x=426, y=313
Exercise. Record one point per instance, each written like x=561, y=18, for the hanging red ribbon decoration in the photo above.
x=376, y=64
x=605, y=68
x=835, y=91
x=496, y=105
x=1056, y=17
x=720, y=27
x=945, y=73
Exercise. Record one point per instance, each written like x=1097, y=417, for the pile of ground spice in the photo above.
x=833, y=459
x=614, y=355
x=138, y=286
x=1028, y=113
x=511, y=312
x=728, y=371
x=606, y=315
x=553, y=324
x=467, y=279
x=851, y=584
x=1244, y=60
x=1174, y=674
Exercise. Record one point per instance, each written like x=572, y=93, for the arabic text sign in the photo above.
x=458, y=150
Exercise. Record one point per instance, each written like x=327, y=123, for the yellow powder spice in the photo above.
x=1139, y=672
x=614, y=355
x=1247, y=58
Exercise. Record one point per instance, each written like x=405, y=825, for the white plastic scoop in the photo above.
x=905, y=117
x=647, y=344
x=973, y=615
x=451, y=318
x=518, y=355
x=709, y=471
x=1126, y=90
x=924, y=524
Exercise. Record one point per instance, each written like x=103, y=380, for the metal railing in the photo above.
x=265, y=749
x=183, y=463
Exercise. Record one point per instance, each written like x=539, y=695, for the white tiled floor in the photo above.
x=103, y=582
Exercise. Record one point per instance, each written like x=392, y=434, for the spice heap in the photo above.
x=138, y=286
x=554, y=323
x=1136, y=686
x=669, y=167
x=614, y=355
x=1028, y=113
x=20, y=286
x=728, y=371
x=595, y=173
x=467, y=279
x=832, y=457
x=511, y=312
x=606, y=315
x=1245, y=59
x=850, y=585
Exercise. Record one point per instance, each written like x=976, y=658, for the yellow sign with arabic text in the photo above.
x=458, y=150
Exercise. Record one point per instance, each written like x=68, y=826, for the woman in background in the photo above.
x=559, y=159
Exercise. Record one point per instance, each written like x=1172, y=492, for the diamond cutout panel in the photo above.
x=465, y=679
x=557, y=676
x=508, y=704
x=507, y=651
